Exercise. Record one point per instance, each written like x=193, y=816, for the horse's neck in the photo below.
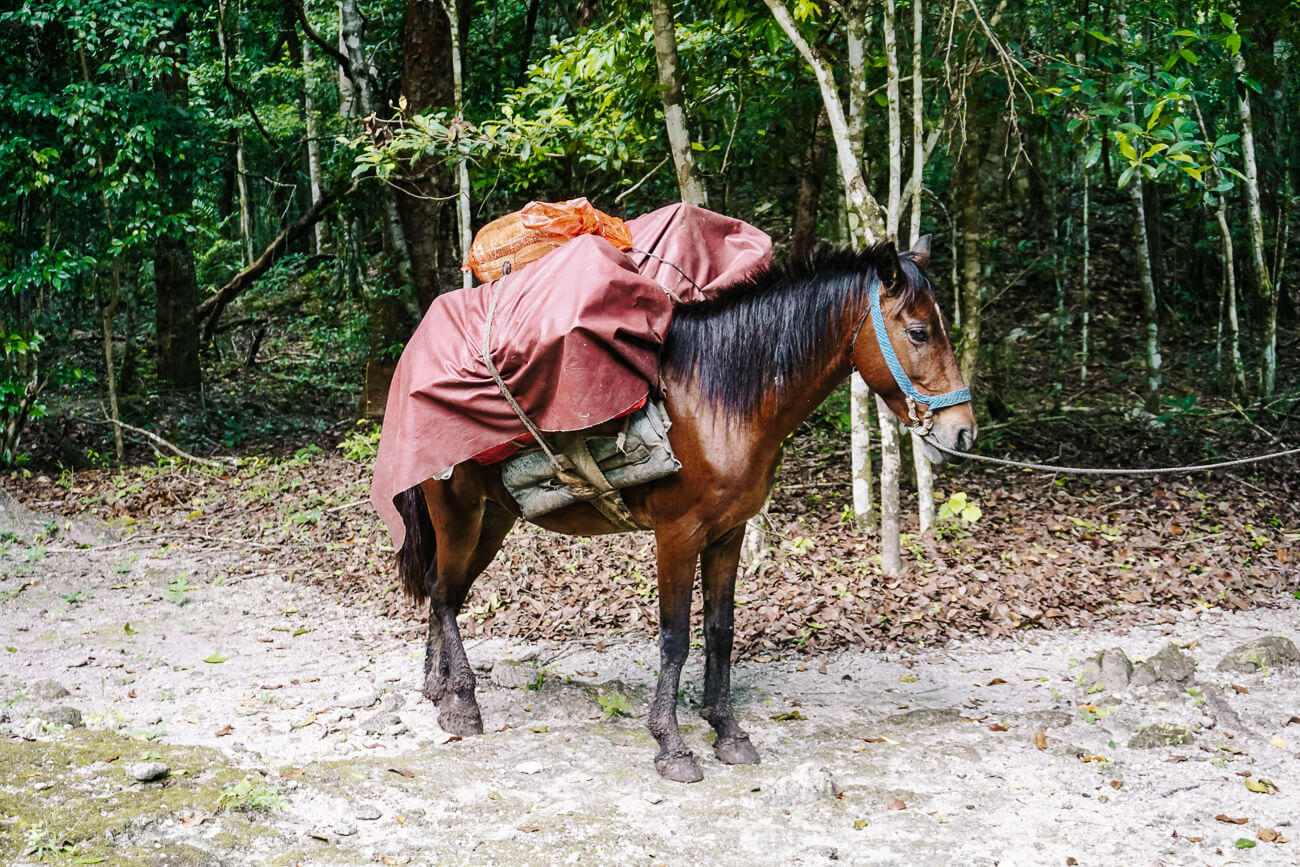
x=788, y=408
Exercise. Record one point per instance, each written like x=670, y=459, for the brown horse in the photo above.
x=740, y=373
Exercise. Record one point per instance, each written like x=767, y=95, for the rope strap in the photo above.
x=1112, y=471
x=501, y=383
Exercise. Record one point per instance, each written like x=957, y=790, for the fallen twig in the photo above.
x=159, y=441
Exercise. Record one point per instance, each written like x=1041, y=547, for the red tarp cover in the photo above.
x=576, y=337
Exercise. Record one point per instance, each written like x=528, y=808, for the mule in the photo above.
x=740, y=373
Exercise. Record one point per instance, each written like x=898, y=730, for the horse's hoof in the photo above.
x=459, y=716
x=680, y=768
x=735, y=751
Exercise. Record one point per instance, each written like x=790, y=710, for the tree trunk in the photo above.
x=920, y=463
x=1150, y=310
x=972, y=228
x=1255, y=215
x=463, y=189
x=807, y=210
x=320, y=237
x=893, y=207
x=891, y=563
x=918, y=125
x=174, y=280
x=1085, y=278
x=670, y=85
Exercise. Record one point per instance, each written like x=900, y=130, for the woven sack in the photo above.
x=529, y=234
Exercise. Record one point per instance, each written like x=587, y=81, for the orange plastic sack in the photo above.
x=528, y=235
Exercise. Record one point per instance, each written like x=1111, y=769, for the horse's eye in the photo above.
x=918, y=335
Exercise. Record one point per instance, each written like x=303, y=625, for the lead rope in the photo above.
x=501, y=383
x=1111, y=471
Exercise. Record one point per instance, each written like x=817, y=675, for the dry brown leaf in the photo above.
x=1241, y=690
x=1040, y=739
x=1117, y=784
x=1230, y=820
x=1093, y=758
x=997, y=727
x=405, y=772
x=897, y=804
x=225, y=730
x=1269, y=835
x=529, y=829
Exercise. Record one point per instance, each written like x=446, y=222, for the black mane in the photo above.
x=764, y=332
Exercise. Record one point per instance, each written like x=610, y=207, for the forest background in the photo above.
x=219, y=222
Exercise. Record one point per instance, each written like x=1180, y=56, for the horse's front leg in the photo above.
x=676, y=579
x=718, y=565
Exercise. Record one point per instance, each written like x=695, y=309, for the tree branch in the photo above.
x=213, y=305
x=339, y=57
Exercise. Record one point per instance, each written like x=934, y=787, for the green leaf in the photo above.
x=1189, y=56
x=1228, y=139
x=1244, y=843
x=1093, y=154
x=128, y=629
x=1232, y=42
x=215, y=658
x=1124, y=177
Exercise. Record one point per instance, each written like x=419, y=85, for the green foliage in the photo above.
x=957, y=512
x=614, y=704
x=362, y=444
x=250, y=796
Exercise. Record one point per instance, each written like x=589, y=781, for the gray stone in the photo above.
x=1170, y=666
x=924, y=717
x=344, y=828
x=512, y=674
x=367, y=812
x=1167, y=734
x=379, y=722
x=807, y=783
x=48, y=690
x=529, y=767
x=358, y=700
x=1271, y=651
x=63, y=716
x=1109, y=671
x=148, y=771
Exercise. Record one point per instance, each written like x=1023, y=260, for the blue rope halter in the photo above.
x=921, y=426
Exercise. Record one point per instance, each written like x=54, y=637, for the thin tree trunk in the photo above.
x=320, y=237
x=1146, y=276
x=1085, y=277
x=462, y=167
x=891, y=563
x=674, y=99
x=971, y=238
x=807, y=210
x=1256, y=220
x=918, y=127
x=526, y=43
x=893, y=208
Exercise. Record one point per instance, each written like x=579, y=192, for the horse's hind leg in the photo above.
x=676, y=581
x=472, y=540
x=718, y=565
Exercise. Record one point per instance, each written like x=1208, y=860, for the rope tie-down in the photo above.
x=580, y=472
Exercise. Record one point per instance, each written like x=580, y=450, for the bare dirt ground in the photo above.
x=292, y=731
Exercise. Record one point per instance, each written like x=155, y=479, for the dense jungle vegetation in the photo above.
x=219, y=221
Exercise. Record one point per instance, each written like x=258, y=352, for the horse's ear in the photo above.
x=888, y=268
x=921, y=251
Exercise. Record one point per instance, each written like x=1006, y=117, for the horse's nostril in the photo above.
x=965, y=439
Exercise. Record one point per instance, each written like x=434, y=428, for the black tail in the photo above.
x=420, y=549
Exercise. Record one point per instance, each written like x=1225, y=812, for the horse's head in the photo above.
x=902, y=351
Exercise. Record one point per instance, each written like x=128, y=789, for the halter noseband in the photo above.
x=919, y=426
